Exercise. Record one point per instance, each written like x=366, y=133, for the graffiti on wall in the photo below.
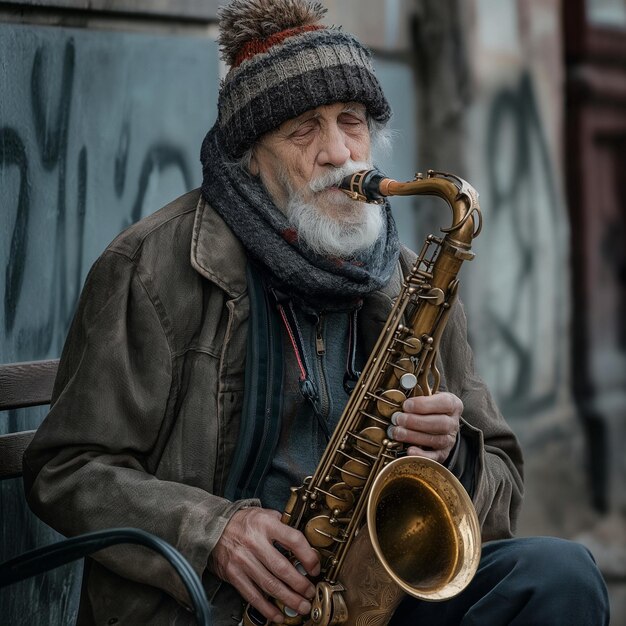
x=522, y=310
x=47, y=152
x=96, y=131
x=51, y=151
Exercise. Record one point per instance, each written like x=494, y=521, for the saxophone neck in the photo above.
x=372, y=186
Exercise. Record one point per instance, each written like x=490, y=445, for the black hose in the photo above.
x=43, y=559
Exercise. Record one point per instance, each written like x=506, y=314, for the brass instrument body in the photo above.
x=422, y=525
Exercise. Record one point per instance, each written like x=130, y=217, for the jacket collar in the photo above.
x=219, y=256
x=215, y=251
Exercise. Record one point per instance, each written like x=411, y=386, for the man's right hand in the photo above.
x=246, y=557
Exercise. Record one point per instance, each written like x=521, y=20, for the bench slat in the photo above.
x=26, y=384
x=13, y=446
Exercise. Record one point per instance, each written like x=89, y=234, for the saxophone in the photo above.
x=423, y=535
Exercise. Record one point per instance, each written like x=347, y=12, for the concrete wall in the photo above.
x=97, y=129
x=500, y=119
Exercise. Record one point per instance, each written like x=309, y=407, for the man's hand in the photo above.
x=247, y=558
x=429, y=425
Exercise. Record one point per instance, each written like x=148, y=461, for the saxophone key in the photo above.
x=408, y=381
x=339, y=497
x=320, y=532
x=412, y=345
x=328, y=606
x=370, y=439
x=291, y=617
x=403, y=366
x=354, y=472
x=389, y=401
x=434, y=296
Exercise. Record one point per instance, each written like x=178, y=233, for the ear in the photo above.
x=254, y=165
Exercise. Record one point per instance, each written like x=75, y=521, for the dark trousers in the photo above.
x=533, y=581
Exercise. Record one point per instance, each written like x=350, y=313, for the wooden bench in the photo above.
x=22, y=385
x=30, y=384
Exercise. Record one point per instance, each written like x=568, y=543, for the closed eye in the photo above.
x=304, y=129
x=349, y=118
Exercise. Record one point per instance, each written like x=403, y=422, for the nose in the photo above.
x=333, y=149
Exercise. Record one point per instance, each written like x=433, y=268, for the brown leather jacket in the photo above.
x=146, y=409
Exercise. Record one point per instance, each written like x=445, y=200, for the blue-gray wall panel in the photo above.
x=96, y=130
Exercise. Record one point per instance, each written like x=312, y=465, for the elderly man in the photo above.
x=205, y=368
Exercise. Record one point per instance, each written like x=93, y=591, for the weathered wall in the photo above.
x=491, y=86
x=515, y=121
x=490, y=89
x=499, y=114
x=96, y=130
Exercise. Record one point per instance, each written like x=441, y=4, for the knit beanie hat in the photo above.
x=282, y=63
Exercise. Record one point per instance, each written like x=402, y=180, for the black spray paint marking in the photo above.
x=13, y=152
x=518, y=107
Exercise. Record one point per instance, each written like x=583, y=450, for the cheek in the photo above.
x=300, y=176
x=304, y=159
x=301, y=171
x=274, y=183
x=360, y=148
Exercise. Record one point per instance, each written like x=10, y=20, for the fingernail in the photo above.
x=304, y=608
x=394, y=418
x=390, y=432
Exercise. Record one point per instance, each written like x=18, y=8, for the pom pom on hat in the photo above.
x=243, y=21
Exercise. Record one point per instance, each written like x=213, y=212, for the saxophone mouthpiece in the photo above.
x=364, y=186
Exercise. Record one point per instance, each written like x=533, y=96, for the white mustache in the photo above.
x=333, y=177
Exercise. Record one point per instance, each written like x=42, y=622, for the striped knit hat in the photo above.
x=283, y=62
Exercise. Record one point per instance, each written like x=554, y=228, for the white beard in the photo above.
x=335, y=237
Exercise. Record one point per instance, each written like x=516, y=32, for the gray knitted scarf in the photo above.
x=318, y=282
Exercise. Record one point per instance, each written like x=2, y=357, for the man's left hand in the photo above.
x=429, y=425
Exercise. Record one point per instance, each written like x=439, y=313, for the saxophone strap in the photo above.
x=262, y=403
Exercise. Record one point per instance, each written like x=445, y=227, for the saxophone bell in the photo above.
x=423, y=528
